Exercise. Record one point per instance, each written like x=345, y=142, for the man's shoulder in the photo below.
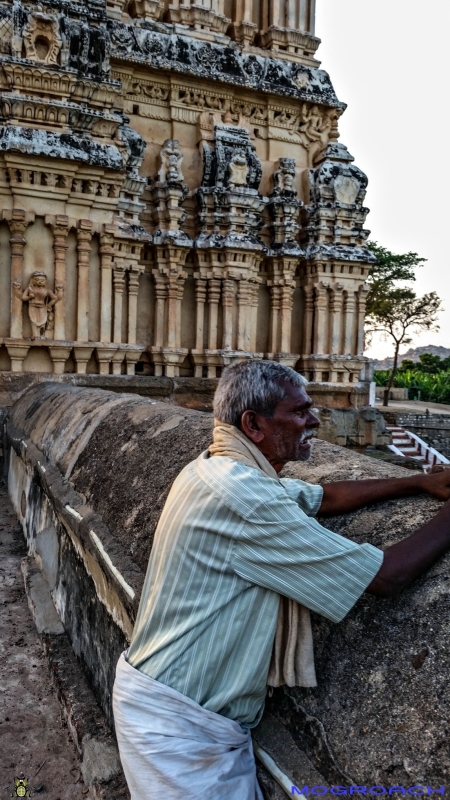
x=241, y=487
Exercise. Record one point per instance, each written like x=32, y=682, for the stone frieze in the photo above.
x=165, y=50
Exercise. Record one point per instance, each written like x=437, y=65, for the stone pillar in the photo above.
x=321, y=310
x=200, y=298
x=60, y=233
x=161, y=294
x=105, y=356
x=243, y=315
x=180, y=293
x=349, y=314
x=17, y=227
x=275, y=302
x=254, y=296
x=336, y=320
x=286, y=317
x=308, y=320
x=84, y=248
x=106, y=267
x=213, y=300
x=227, y=306
x=362, y=298
x=133, y=289
x=119, y=286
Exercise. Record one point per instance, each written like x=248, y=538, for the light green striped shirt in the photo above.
x=229, y=542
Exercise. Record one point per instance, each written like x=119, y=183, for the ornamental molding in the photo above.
x=228, y=64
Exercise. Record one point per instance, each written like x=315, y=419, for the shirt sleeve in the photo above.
x=284, y=550
x=308, y=496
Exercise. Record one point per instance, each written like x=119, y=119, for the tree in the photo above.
x=389, y=269
x=395, y=312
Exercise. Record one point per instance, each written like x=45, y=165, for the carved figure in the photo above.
x=238, y=169
x=41, y=38
x=284, y=176
x=40, y=301
x=171, y=158
x=316, y=131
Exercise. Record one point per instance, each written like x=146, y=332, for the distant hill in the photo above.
x=413, y=354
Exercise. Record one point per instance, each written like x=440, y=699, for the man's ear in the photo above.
x=249, y=426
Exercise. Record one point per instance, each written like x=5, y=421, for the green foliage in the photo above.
x=389, y=269
x=428, y=363
x=433, y=387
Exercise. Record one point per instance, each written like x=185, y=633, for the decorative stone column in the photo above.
x=244, y=296
x=349, y=312
x=275, y=302
x=17, y=226
x=213, y=300
x=119, y=287
x=362, y=298
x=133, y=289
x=287, y=291
x=227, y=305
x=336, y=319
x=253, y=321
x=106, y=267
x=84, y=248
x=321, y=310
x=308, y=320
x=60, y=228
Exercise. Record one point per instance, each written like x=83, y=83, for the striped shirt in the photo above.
x=229, y=542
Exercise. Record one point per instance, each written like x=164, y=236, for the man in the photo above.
x=232, y=539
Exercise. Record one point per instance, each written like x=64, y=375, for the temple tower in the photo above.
x=173, y=193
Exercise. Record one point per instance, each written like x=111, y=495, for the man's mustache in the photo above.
x=307, y=434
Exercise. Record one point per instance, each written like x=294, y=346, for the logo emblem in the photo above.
x=21, y=788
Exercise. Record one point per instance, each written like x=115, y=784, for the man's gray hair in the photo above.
x=252, y=386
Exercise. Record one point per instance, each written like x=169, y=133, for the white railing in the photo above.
x=430, y=456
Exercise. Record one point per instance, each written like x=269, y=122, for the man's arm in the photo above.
x=345, y=496
x=407, y=560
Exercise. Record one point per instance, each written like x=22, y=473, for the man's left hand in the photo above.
x=437, y=483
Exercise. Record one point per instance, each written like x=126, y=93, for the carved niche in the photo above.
x=42, y=39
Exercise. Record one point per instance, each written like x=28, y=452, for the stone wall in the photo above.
x=88, y=475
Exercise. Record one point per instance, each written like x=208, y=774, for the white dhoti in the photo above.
x=172, y=748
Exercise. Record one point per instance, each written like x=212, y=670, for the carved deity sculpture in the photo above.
x=40, y=301
x=284, y=176
x=171, y=158
x=316, y=133
x=238, y=169
x=42, y=39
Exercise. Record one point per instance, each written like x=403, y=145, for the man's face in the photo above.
x=286, y=435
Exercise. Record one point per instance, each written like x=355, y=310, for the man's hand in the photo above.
x=437, y=483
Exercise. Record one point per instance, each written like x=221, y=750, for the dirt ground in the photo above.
x=34, y=743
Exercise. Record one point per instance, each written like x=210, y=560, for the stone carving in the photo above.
x=41, y=301
x=41, y=38
x=171, y=158
x=238, y=170
x=284, y=207
x=315, y=133
x=230, y=141
x=194, y=57
x=134, y=146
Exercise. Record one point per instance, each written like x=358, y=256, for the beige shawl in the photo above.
x=293, y=655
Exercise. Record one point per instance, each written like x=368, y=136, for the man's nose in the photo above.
x=313, y=421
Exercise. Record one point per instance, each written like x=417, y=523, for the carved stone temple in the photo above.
x=173, y=193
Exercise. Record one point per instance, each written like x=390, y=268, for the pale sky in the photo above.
x=388, y=60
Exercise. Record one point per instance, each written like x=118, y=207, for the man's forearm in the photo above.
x=406, y=560
x=344, y=496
